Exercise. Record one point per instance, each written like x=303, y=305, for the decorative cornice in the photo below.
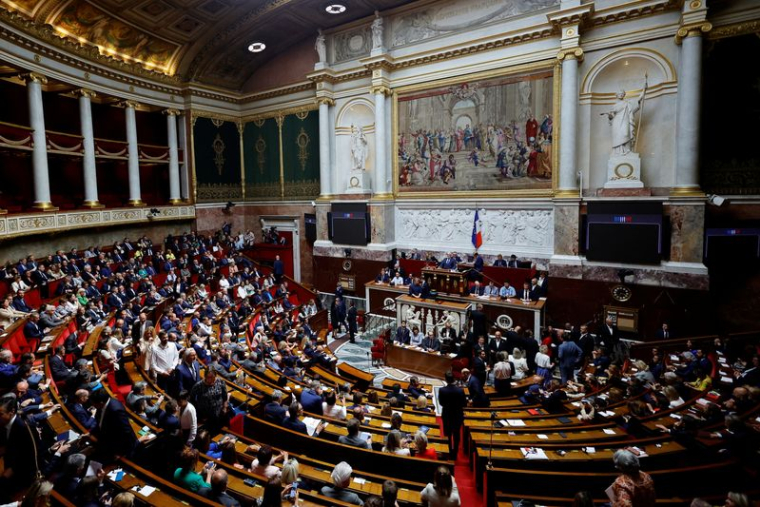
x=692, y=30
x=632, y=10
x=281, y=113
x=46, y=33
x=573, y=16
x=195, y=114
x=734, y=30
x=279, y=92
x=571, y=54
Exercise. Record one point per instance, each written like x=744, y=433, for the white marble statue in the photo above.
x=622, y=119
x=377, y=32
x=358, y=149
x=321, y=47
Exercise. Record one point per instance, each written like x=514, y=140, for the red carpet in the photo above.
x=468, y=493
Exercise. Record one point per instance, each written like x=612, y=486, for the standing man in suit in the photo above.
x=115, y=435
x=609, y=338
x=138, y=328
x=527, y=294
x=570, y=355
x=586, y=341
x=453, y=401
x=21, y=443
x=543, y=284
x=188, y=371
x=478, y=318
x=478, y=398
x=351, y=317
x=278, y=269
x=664, y=332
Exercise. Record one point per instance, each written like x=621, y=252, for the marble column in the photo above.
x=325, y=165
x=171, y=131
x=568, y=179
x=381, y=162
x=183, y=169
x=88, y=141
x=689, y=110
x=135, y=198
x=39, y=142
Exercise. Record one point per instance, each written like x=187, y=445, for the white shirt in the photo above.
x=431, y=496
x=189, y=421
x=336, y=411
x=164, y=359
x=542, y=360
x=397, y=280
x=416, y=339
x=521, y=367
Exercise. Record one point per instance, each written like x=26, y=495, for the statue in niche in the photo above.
x=321, y=47
x=623, y=122
x=358, y=149
x=377, y=32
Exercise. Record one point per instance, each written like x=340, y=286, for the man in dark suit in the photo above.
x=453, y=401
x=114, y=432
x=476, y=289
x=278, y=269
x=138, y=328
x=77, y=408
x=22, y=448
x=527, y=294
x=478, y=398
x=274, y=411
x=500, y=262
x=41, y=279
x=608, y=335
x=351, y=317
x=586, y=341
x=403, y=335
x=478, y=319
x=477, y=263
x=33, y=333
x=58, y=368
x=188, y=371
x=513, y=262
x=664, y=332
x=218, y=490
x=496, y=345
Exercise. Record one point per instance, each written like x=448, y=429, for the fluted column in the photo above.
x=133, y=153
x=381, y=159
x=325, y=165
x=568, y=180
x=171, y=132
x=689, y=111
x=39, y=141
x=88, y=141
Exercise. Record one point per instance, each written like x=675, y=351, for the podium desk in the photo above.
x=445, y=280
x=429, y=364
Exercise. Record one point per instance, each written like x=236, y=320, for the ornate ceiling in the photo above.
x=202, y=41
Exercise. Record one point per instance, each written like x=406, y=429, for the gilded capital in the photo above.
x=86, y=92
x=131, y=104
x=570, y=54
x=380, y=89
x=693, y=30
x=171, y=112
x=33, y=77
x=325, y=100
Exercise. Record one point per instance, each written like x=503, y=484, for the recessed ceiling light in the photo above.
x=336, y=8
x=257, y=47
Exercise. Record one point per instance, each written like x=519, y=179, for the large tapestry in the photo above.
x=480, y=135
x=217, y=159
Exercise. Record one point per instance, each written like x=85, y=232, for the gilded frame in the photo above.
x=545, y=65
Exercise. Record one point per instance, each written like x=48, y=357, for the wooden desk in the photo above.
x=380, y=298
x=417, y=361
x=430, y=314
x=445, y=280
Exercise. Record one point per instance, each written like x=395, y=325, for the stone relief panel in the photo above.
x=352, y=44
x=514, y=231
x=454, y=16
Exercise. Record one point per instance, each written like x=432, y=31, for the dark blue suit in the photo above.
x=311, y=401
x=295, y=425
x=83, y=416
x=275, y=412
x=188, y=376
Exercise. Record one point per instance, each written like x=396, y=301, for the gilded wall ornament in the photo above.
x=218, y=146
x=303, y=141
x=261, y=147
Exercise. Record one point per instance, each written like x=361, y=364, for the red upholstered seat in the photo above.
x=378, y=350
x=457, y=365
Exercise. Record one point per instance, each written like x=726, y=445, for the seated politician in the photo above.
x=431, y=343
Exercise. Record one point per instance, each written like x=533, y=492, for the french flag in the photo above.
x=477, y=231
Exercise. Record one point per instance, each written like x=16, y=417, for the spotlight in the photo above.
x=715, y=200
x=336, y=8
x=257, y=47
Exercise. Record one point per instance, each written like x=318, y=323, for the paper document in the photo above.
x=311, y=425
x=516, y=422
x=543, y=437
x=94, y=468
x=533, y=453
x=608, y=431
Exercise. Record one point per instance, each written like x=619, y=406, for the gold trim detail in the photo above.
x=567, y=194
x=175, y=202
x=86, y=92
x=374, y=90
x=693, y=30
x=325, y=100
x=171, y=112
x=136, y=203
x=571, y=54
x=280, y=113
x=734, y=30
x=686, y=192
x=44, y=206
x=33, y=76
x=280, y=120
x=92, y=204
x=302, y=141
